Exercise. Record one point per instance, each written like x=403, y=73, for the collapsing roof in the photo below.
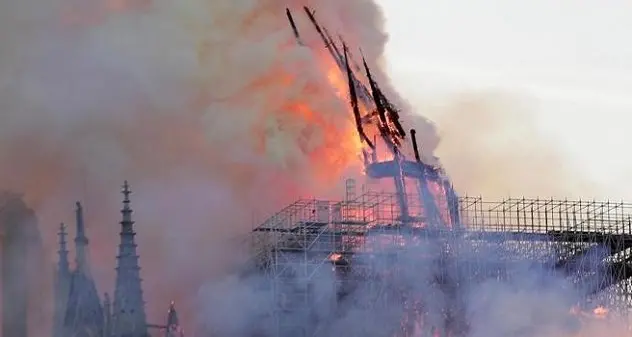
x=374, y=114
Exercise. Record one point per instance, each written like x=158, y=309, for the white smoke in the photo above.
x=489, y=290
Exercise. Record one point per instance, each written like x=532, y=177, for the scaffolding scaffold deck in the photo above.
x=310, y=238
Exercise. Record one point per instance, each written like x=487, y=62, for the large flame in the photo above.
x=210, y=108
x=338, y=146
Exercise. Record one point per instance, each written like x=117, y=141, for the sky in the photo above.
x=571, y=59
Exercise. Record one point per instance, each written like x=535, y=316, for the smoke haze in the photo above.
x=492, y=146
x=528, y=300
x=209, y=109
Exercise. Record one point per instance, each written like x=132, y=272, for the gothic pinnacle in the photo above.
x=63, y=250
x=126, y=192
x=81, y=240
x=128, y=312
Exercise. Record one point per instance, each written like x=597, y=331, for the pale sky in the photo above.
x=573, y=58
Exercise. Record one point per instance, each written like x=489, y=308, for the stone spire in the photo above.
x=84, y=313
x=81, y=241
x=128, y=315
x=62, y=283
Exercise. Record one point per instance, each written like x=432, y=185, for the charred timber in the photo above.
x=355, y=64
x=382, y=124
x=340, y=59
x=413, y=135
x=312, y=18
x=384, y=107
x=293, y=24
x=381, y=111
x=353, y=97
x=389, y=125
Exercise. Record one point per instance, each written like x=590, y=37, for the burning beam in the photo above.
x=337, y=57
x=381, y=111
x=413, y=135
x=384, y=106
x=355, y=65
x=391, y=142
x=353, y=98
x=340, y=59
x=382, y=118
x=294, y=28
x=387, y=123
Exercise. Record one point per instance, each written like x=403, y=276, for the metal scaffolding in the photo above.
x=588, y=242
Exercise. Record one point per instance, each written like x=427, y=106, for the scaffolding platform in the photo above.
x=311, y=237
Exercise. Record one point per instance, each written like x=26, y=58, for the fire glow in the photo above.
x=380, y=137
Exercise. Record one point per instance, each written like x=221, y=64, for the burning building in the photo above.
x=364, y=247
x=79, y=311
x=369, y=249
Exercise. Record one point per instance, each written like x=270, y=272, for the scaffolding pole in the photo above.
x=312, y=240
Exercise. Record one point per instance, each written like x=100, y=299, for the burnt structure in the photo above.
x=79, y=311
x=366, y=246
x=377, y=120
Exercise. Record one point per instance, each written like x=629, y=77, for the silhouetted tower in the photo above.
x=18, y=228
x=173, y=323
x=128, y=316
x=62, y=284
x=84, y=314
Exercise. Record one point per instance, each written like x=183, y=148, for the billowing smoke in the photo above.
x=491, y=145
x=424, y=288
x=209, y=108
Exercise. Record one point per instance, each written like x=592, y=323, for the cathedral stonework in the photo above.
x=79, y=312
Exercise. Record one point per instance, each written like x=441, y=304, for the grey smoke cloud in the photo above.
x=195, y=102
x=209, y=108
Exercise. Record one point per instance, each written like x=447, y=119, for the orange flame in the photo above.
x=600, y=312
x=340, y=146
